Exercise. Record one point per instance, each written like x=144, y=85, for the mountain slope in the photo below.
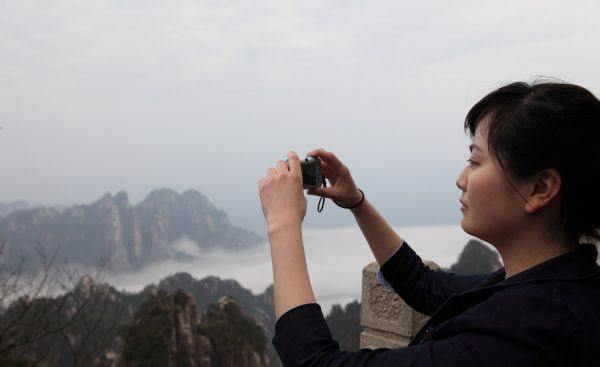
x=116, y=234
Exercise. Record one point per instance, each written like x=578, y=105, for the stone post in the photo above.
x=387, y=321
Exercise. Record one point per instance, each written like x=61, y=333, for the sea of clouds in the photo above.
x=335, y=260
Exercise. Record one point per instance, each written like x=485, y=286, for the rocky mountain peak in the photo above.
x=226, y=301
x=105, y=200
x=161, y=196
x=237, y=340
x=164, y=333
x=85, y=286
x=122, y=199
x=111, y=231
x=476, y=258
x=193, y=196
x=178, y=280
x=15, y=206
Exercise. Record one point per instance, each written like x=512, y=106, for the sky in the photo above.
x=103, y=96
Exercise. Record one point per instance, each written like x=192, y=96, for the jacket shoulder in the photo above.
x=560, y=318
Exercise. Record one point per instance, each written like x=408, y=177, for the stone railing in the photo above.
x=387, y=321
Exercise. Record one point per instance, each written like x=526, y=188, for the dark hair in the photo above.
x=546, y=125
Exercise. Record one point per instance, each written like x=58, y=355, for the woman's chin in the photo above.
x=465, y=227
x=472, y=231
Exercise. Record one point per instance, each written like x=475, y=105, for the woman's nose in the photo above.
x=461, y=180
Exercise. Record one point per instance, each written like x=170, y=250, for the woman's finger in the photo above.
x=326, y=156
x=316, y=152
x=319, y=191
x=294, y=162
x=261, y=183
x=282, y=167
x=321, y=153
x=326, y=169
x=271, y=172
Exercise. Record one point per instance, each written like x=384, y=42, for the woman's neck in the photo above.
x=527, y=251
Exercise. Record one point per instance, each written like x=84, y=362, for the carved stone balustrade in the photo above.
x=387, y=321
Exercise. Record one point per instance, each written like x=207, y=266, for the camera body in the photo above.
x=312, y=177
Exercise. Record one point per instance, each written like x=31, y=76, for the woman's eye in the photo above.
x=471, y=162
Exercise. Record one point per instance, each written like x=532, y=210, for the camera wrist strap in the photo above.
x=321, y=202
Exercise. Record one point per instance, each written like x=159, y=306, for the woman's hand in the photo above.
x=281, y=194
x=343, y=190
x=284, y=206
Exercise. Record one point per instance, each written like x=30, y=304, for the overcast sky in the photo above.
x=102, y=96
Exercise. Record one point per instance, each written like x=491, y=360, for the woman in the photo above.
x=531, y=188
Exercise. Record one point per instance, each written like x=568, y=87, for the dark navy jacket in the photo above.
x=548, y=315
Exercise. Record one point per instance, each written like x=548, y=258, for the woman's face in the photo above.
x=491, y=205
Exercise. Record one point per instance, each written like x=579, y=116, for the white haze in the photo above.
x=335, y=259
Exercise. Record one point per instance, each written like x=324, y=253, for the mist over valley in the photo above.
x=169, y=233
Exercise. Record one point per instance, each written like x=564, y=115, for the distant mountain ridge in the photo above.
x=123, y=235
x=15, y=206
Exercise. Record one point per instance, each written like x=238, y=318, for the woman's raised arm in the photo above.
x=382, y=238
x=284, y=205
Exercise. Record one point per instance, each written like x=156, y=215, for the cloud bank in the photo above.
x=335, y=259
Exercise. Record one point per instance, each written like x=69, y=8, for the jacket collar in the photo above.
x=577, y=264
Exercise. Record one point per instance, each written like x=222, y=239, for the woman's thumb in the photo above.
x=319, y=191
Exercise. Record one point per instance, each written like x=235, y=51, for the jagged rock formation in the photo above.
x=164, y=333
x=207, y=291
x=88, y=325
x=210, y=289
x=476, y=258
x=344, y=324
x=236, y=339
x=118, y=234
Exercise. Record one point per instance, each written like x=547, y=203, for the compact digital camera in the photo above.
x=311, y=172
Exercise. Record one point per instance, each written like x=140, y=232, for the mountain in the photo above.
x=344, y=324
x=210, y=289
x=114, y=233
x=207, y=291
x=7, y=208
x=236, y=339
x=94, y=324
x=476, y=258
x=164, y=333
x=167, y=331
x=78, y=328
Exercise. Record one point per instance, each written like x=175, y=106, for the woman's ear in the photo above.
x=546, y=186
